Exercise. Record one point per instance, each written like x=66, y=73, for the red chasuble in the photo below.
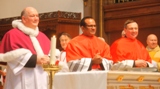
x=128, y=49
x=15, y=39
x=86, y=47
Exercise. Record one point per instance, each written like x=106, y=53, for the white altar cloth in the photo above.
x=107, y=80
x=80, y=80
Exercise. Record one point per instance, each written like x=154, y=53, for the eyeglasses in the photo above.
x=90, y=26
x=134, y=28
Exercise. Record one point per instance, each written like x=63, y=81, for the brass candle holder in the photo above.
x=51, y=69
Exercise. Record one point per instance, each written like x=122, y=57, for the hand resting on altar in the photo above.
x=140, y=63
x=129, y=63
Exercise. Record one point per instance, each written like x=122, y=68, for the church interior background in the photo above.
x=110, y=16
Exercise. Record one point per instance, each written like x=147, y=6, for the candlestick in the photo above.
x=53, y=50
x=51, y=69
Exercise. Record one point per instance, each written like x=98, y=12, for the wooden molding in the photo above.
x=50, y=23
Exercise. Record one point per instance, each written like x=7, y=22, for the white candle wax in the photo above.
x=53, y=50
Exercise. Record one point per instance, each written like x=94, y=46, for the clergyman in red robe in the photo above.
x=128, y=52
x=86, y=51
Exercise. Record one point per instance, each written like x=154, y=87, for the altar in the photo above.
x=107, y=80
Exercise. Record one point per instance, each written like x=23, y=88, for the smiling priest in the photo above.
x=87, y=52
x=24, y=66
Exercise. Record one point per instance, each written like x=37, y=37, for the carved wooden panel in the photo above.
x=51, y=23
x=145, y=12
x=54, y=23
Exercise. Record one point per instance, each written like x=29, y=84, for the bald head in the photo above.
x=152, y=41
x=25, y=10
x=30, y=17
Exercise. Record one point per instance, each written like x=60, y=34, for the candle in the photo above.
x=53, y=50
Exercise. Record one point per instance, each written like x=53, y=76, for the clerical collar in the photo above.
x=29, y=31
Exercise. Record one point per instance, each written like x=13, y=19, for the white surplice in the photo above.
x=31, y=78
x=19, y=77
x=84, y=63
x=126, y=64
x=62, y=62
